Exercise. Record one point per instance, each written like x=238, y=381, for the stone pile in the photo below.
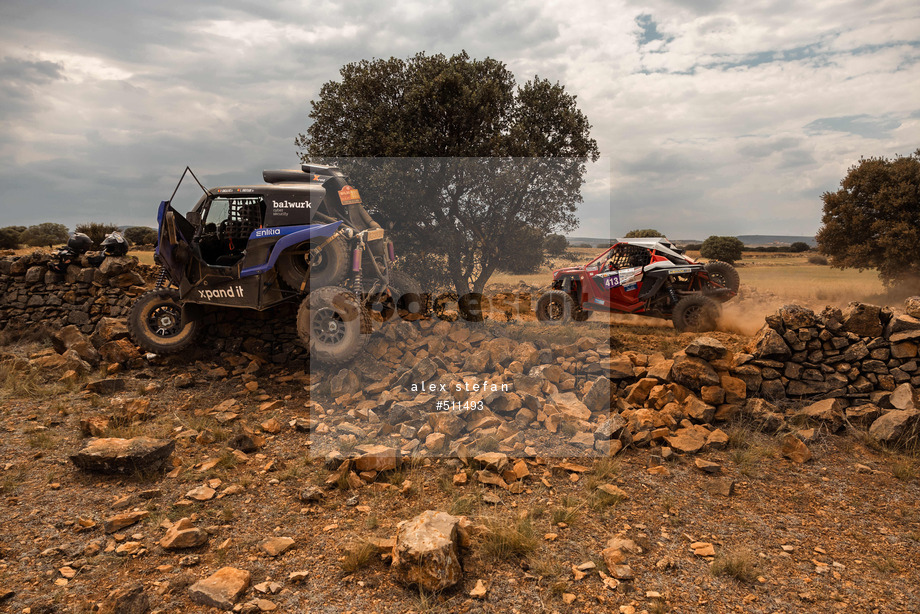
x=31, y=293
x=863, y=352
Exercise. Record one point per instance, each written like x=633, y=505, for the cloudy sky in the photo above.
x=711, y=119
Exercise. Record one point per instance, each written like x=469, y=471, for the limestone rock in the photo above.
x=183, y=534
x=795, y=317
x=828, y=411
x=377, y=458
x=275, y=546
x=689, y=440
x=904, y=397
x=427, y=551
x=795, y=449
x=127, y=600
x=221, y=589
x=769, y=344
x=693, y=373
x=120, y=521
x=862, y=319
x=570, y=406
x=912, y=306
x=598, y=398
x=113, y=455
x=896, y=425
x=706, y=348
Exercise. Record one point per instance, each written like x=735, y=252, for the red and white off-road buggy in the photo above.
x=649, y=277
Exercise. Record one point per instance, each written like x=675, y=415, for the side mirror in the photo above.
x=194, y=218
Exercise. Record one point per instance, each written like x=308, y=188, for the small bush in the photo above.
x=503, y=540
x=740, y=564
x=818, y=259
x=358, y=556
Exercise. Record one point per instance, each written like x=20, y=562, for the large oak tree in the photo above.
x=465, y=163
x=873, y=220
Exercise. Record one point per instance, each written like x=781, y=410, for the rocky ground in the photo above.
x=622, y=473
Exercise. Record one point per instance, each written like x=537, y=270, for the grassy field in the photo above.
x=785, y=277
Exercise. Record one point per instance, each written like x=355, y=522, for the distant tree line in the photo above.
x=49, y=234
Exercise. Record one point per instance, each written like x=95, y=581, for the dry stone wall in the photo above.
x=31, y=293
x=863, y=352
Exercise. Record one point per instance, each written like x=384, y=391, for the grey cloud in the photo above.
x=763, y=147
x=866, y=126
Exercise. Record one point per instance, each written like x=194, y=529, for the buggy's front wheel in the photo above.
x=555, y=307
x=332, y=323
x=156, y=324
x=696, y=313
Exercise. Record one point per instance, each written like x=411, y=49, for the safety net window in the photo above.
x=626, y=256
x=236, y=217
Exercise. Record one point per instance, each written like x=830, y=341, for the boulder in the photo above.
x=183, y=534
x=904, y=397
x=427, y=551
x=113, y=455
x=108, y=329
x=795, y=317
x=221, y=589
x=570, y=406
x=383, y=458
x=901, y=324
x=130, y=599
x=769, y=344
x=599, y=396
x=912, y=306
x=344, y=382
x=689, y=439
x=828, y=412
x=862, y=319
x=693, y=373
x=896, y=425
x=795, y=449
x=119, y=350
x=706, y=348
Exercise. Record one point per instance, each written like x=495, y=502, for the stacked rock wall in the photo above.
x=31, y=293
x=861, y=352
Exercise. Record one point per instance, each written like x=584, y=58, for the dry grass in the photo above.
x=358, y=556
x=737, y=563
x=503, y=540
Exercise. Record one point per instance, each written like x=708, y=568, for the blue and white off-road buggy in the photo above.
x=256, y=246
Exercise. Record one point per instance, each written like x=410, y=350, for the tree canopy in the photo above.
x=873, y=220
x=483, y=162
x=642, y=233
x=46, y=233
x=726, y=249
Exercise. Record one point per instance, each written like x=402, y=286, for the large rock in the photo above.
x=863, y=320
x=384, y=458
x=901, y=324
x=599, y=397
x=795, y=317
x=769, y=344
x=904, y=397
x=119, y=350
x=427, y=551
x=689, y=439
x=113, y=455
x=912, y=306
x=828, y=412
x=344, y=382
x=570, y=406
x=693, y=373
x=706, y=348
x=127, y=600
x=221, y=589
x=183, y=534
x=896, y=425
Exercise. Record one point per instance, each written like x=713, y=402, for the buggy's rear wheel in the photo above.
x=156, y=325
x=723, y=275
x=327, y=268
x=696, y=313
x=555, y=307
x=331, y=322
